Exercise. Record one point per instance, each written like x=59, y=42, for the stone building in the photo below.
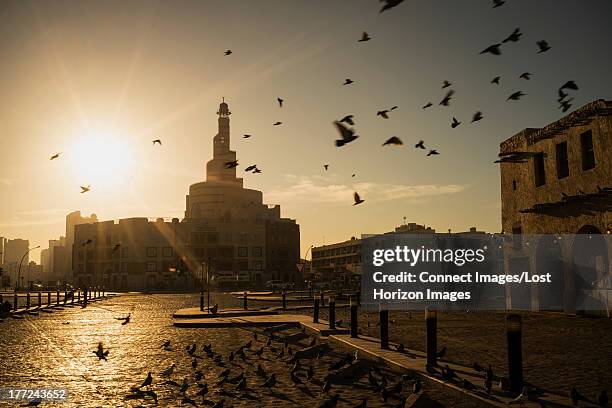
x=227, y=233
x=558, y=180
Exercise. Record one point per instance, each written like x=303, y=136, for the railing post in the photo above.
x=27, y=300
x=322, y=298
x=103, y=290
x=244, y=301
x=332, y=313
x=65, y=295
x=354, y=324
x=431, y=345
x=384, y=329
x=39, y=299
x=49, y=298
x=514, y=333
x=315, y=311
x=85, y=294
x=57, y=297
x=15, y=302
x=284, y=300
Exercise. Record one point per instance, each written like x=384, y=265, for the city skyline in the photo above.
x=100, y=93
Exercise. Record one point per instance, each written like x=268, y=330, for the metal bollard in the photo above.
x=49, y=298
x=322, y=299
x=244, y=301
x=28, y=300
x=384, y=329
x=431, y=345
x=332, y=313
x=15, y=302
x=39, y=299
x=284, y=301
x=65, y=296
x=201, y=301
x=103, y=290
x=354, y=324
x=57, y=297
x=79, y=296
x=315, y=311
x=514, y=332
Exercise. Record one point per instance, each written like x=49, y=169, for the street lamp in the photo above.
x=20, y=262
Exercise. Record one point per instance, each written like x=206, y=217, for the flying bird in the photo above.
x=55, y=156
x=496, y=80
x=86, y=242
x=256, y=170
x=85, y=189
x=432, y=152
x=516, y=96
x=569, y=85
x=100, y=353
x=348, y=135
x=514, y=37
x=326, y=166
x=357, y=199
x=364, y=37
x=157, y=141
x=420, y=145
x=477, y=116
x=348, y=119
x=445, y=101
x=383, y=113
x=389, y=4
x=492, y=49
x=228, y=52
x=280, y=102
x=526, y=76
x=231, y=164
x=348, y=81
x=446, y=84
x=393, y=140
x=455, y=123
x=498, y=3
x=277, y=123
x=116, y=247
x=543, y=46
x=251, y=167
x=246, y=136
x=427, y=105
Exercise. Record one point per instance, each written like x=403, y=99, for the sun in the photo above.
x=101, y=160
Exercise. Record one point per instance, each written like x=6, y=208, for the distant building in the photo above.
x=227, y=232
x=558, y=180
x=48, y=259
x=2, y=242
x=15, y=249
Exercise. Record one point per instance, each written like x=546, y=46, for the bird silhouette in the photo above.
x=446, y=84
x=326, y=166
x=514, y=37
x=441, y=353
x=251, y=167
x=348, y=119
x=348, y=135
x=116, y=247
x=389, y=4
x=526, y=76
x=168, y=371
x=477, y=116
x=393, y=140
x=543, y=46
x=364, y=37
x=126, y=319
x=277, y=123
x=213, y=310
x=492, y=49
x=87, y=242
x=427, y=105
x=100, y=353
x=231, y=164
x=256, y=171
x=270, y=382
x=445, y=101
x=157, y=141
x=569, y=85
x=455, y=123
x=420, y=145
x=432, y=152
x=383, y=113
x=55, y=156
x=498, y=3
x=280, y=102
x=357, y=199
x=228, y=52
x=496, y=80
x=516, y=96
x=85, y=189
x=246, y=136
x=148, y=381
x=348, y=81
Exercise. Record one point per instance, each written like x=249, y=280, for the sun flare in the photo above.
x=100, y=160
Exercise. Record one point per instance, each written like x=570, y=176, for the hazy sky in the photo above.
x=99, y=80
